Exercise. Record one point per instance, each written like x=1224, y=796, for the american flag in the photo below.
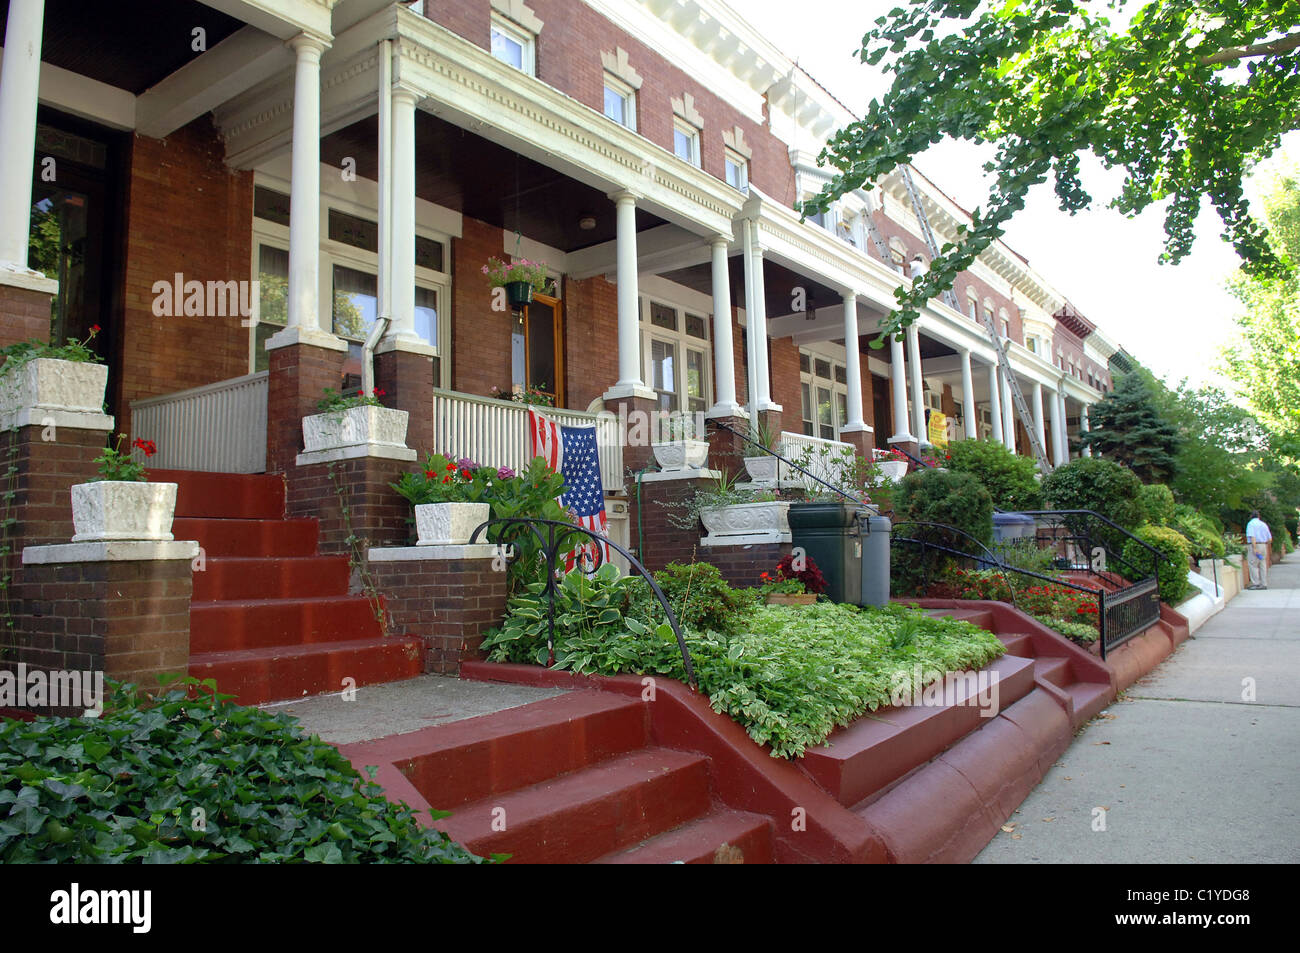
x=572, y=452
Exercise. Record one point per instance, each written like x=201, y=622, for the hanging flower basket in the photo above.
x=518, y=293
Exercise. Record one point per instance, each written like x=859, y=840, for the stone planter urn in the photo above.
x=50, y=384
x=356, y=426
x=681, y=454
x=762, y=469
x=747, y=519
x=449, y=524
x=893, y=470
x=117, y=509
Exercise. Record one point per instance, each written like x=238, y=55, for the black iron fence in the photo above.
x=1128, y=612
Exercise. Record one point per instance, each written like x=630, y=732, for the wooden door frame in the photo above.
x=557, y=310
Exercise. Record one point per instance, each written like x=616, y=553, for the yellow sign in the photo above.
x=938, y=427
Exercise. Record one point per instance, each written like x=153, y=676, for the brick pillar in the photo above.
x=47, y=461
x=406, y=377
x=376, y=514
x=637, y=415
x=773, y=420
x=862, y=441
x=727, y=451
x=25, y=308
x=299, y=374
x=447, y=595
x=121, y=608
x=665, y=543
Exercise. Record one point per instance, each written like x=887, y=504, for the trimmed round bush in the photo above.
x=1157, y=504
x=1102, y=486
x=181, y=779
x=1173, y=559
x=1012, y=480
x=946, y=496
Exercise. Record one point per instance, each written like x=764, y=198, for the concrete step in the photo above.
x=266, y=623
x=256, y=496
x=721, y=836
x=1054, y=670
x=249, y=537
x=271, y=577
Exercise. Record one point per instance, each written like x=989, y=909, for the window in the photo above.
x=349, y=269
x=824, y=395
x=686, y=142
x=1032, y=344
x=849, y=229
x=620, y=102
x=973, y=305
x=737, y=171
x=514, y=45
x=678, y=353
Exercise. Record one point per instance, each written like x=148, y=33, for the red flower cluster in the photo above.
x=810, y=575
x=146, y=447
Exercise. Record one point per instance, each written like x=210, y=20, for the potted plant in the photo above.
x=519, y=277
x=762, y=467
x=353, y=420
x=681, y=449
x=67, y=377
x=532, y=395
x=792, y=583
x=893, y=465
x=120, y=503
x=726, y=510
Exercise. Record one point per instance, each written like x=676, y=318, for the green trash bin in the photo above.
x=830, y=535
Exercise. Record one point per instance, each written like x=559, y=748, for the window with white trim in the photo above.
x=973, y=304
x=678, y=356
x=824, y=395
x=686, y=141
x=736, y=168
x=511, y=43
x=349, y=269
x=620, y=102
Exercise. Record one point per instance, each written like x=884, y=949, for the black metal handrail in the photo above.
x=557, y=540
x=1070, y=520
x=790, y=463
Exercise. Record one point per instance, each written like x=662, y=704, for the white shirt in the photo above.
x=1257, y=531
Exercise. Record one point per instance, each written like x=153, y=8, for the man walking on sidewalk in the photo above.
x=1258, y=539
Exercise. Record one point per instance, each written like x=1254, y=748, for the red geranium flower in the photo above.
x=94, y=329
x=429, y=474
x=147, y=446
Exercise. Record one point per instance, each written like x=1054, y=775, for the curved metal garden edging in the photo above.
x=555, y=540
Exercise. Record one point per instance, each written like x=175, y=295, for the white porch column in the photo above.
x=402, y=251
x=384, y=297
x=629, y=332
x=760, y=328
x=19, y=85
x=853, y=365
x=898, y=378
x=307, y=322
x=968, y=411
x=918, y=400
x=1083, y=426
x=1008, y=414
x=995, y=403
x=1039, y=430
x=724, y=373
x=1058, y=428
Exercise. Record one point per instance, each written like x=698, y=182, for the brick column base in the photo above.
x=25, y=308
x=376, y=513
x=299, y=374
x=448, y=596
x=121, y=608
x=862, y=441
x=663, y=542
x=773, y=420
x=727, y=451
x=637, y=415
x=407, y=381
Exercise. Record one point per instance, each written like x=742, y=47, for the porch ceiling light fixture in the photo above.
x=587, y=222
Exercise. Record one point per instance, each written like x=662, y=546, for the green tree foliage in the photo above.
x=1184, y=99
x=1266, y=365
x=1010, y=478
x=1102, y=486
x=1128, y=427
x=946, y=496
x=1223, y=449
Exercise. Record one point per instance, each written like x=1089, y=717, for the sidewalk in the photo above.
x=1187, y=770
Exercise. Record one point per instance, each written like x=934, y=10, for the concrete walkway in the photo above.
x=1185, y=767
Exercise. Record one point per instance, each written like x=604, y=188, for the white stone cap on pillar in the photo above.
x=54, y=417
x=902, y=438
x=732, y=409
x=857, y=428
x=749, y=539
x=652, y=476
x=111, y=551
x=305, y=335
x=630, y=390
x=408, y=345
x=399, y=554
x=13, y=275
x=764, y=405
x=356, y=452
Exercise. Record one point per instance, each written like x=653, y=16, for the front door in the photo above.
x=537, y=349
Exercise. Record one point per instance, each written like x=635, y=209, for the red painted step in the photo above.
x=746, y=837
x=285, y=672
x=257, y=624
x=257, y=496
x=579, y=817
x=243, y=537
x=271, y=577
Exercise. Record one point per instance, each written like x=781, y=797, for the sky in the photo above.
x=1174, y=319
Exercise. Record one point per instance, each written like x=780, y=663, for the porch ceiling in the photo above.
x=460, y=170
x=779, y=283
x=129, y=44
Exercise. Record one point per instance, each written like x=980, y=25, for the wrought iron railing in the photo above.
x=1088, y=542
x=556, y=540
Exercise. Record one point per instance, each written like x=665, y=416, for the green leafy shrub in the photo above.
x=181, y=779
x=1012, y=480
x=1025, y=553
x=1090, y=483
x=1156, y=501
x=1173, y=559
x=1202, y=534
x=1068, y=611
x=937, y=496
x=794, y=674
x=701, y=598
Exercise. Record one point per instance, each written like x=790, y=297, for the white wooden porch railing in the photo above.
x=495, y=432
x=219, y=427
x=824, y=453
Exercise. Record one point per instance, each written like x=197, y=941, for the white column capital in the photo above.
x=723, y=241
x=624, y=197
x=401, y=93
x=308, y=46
